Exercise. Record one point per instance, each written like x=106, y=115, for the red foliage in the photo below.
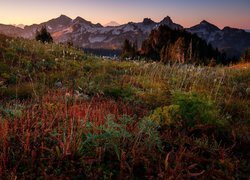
x=54, y=126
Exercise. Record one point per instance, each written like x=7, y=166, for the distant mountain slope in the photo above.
x=85, y=34
x=10, y=30
x=232, y=41
x=112, y=24
x=52, y=25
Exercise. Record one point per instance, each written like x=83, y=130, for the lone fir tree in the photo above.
x=43, y=35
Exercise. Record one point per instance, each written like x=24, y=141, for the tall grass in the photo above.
x=102, y=120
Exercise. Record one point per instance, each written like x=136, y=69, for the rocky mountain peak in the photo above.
x=61, y=20
x=62, y=16
x=79, y=19
x=204, y=22
x=230, y=29
x=209, y=25
x=167, y=20
x=148, y=21
x=98, y=25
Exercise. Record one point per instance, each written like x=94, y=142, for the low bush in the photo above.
x=119, y=92
x=4, y=68
x=197, y=109
x=116, y=137
x=155, y=99
x=51, y=132
x=188, y=110
x=23, y=91
x=166, y=115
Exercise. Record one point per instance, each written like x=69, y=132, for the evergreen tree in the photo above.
x=128, y=49
x=246, y=56
x=167, y=45
x=43, y=35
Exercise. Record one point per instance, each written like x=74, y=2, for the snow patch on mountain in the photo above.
x=128, y=28
x=68, y=30
x=116, y=32
x=97, y=39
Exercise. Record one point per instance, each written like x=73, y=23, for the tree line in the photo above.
x=168, y=45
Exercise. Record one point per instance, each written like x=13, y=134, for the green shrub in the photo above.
x=188, y=110
x=114, y=136
x=12, y=112
x=5, y=76
x=155, y=98
x=10, y=55
x=148, y=134
x=23, y=91
x=197, y=109
x=49, y=64
x=119, y=92
x=4, y=68
x=12, y=79
x=53, y=77
x=165, y=115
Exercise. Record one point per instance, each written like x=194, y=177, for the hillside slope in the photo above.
x=64, y=113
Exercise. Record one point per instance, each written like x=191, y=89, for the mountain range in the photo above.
x=232, y=41
x=85, y=34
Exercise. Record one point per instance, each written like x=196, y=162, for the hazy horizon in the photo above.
x=187, y=13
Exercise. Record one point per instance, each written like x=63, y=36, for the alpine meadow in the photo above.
x=132, y=99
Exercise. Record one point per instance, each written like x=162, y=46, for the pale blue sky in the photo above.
x=235, y=13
